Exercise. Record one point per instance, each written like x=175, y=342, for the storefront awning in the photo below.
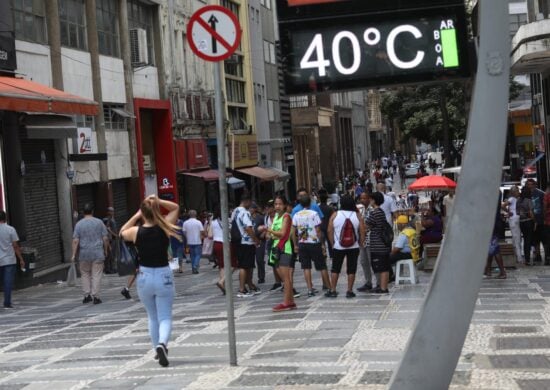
x=281, y=175
x=49, y=126
x=263, y=174
x=28, y=96
x=208, y=175
x=235, y=183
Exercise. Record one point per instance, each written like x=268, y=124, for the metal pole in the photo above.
x=220, y=136
x=441, y=327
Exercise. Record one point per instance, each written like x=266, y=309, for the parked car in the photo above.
x=411, y=169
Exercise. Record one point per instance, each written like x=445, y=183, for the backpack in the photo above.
x=236, y=235
x=348, y=237
x=387, y=234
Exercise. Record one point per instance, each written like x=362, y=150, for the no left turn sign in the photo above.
x=214, y=33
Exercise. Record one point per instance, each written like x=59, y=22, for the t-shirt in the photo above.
x=314, y=206
x=512, y=204
x=537, y=197
x=339, y=222
x=524, y=207
x=375, y=222
x=327, y=212
x=217, y=230
x=388, y=207
x=90, y=232
x=306, y=222
x=448, y=203
x=174, y=242
x=192, y=229
x=8, y=236
x=241, y=217
x=402, y=243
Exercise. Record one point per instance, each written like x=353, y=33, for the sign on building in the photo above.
x=350, y=44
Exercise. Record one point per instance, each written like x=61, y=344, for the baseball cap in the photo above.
x=253, y=205
x=402, y=219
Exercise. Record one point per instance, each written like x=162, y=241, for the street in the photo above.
x=52, y=341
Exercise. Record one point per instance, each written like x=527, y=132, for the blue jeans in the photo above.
x=195, y=251
x=156, y=290
x=7, y=275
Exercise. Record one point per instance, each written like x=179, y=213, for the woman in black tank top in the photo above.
x=155, y=282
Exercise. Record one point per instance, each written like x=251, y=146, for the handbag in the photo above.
x=126, y=259
x=71, y=275
x=207, y=247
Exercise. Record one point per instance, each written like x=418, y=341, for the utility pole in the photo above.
x=105, y=191
x=64, y=198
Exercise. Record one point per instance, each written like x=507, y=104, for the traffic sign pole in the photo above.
x=220, y=137
x=214, y=34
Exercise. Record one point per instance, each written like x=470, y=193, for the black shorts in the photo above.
x=286, y=260
x=246, y=256
x=380, y=262
x=309, y=253
x=350, y=255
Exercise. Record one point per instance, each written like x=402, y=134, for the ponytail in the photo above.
x=150, y=208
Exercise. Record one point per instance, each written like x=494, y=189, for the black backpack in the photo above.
x=387, y=234
x=236, y=235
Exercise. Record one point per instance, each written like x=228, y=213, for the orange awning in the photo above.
x=28, y=96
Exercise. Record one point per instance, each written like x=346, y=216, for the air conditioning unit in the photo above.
x=138, y=46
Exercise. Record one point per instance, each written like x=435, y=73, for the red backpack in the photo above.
x=348, y=237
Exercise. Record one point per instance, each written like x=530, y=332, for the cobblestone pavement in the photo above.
x=52, y=341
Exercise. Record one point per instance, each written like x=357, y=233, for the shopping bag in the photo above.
x=174, y=264
x=207, y=247
x=71, y=275
x=126, y=260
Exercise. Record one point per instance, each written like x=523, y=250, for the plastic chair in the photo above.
x=412, y=272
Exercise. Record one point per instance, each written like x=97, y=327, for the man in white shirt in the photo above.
x=194, y=233
x=307, y=225
x=246, y=249
x=389, y=207
x=10, y=253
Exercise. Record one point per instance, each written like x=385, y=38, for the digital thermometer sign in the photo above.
x=357, y=51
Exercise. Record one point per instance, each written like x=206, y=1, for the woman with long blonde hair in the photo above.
x=155, y=281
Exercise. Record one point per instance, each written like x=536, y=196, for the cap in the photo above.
x=253, y=205
x=110, y=209
x=403, y=220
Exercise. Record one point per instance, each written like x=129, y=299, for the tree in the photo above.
x=432, y=113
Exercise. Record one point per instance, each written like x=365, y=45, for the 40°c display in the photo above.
x=361, y=54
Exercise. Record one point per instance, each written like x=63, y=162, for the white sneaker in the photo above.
x=244, y=294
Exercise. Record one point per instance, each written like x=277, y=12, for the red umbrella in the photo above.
x=433, y=183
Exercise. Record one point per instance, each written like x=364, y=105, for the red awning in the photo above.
x=28, y=96
x=261, y=173
x=208, y=175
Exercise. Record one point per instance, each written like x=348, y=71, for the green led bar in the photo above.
x=450, y=48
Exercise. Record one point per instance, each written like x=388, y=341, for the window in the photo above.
x=271, y=110
x=233, y=7
x=234, y=65
x=235, y=91
x=273, y=57
x=516, y=21
x=299, y=101
x=140, y=15
x=73, y=24
x=270, y=56
x=113, y=118
x=237, y=117
x=30, y=20
x=266, y=51
x=107, y=27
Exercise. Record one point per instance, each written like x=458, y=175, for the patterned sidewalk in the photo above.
x=52, y=341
